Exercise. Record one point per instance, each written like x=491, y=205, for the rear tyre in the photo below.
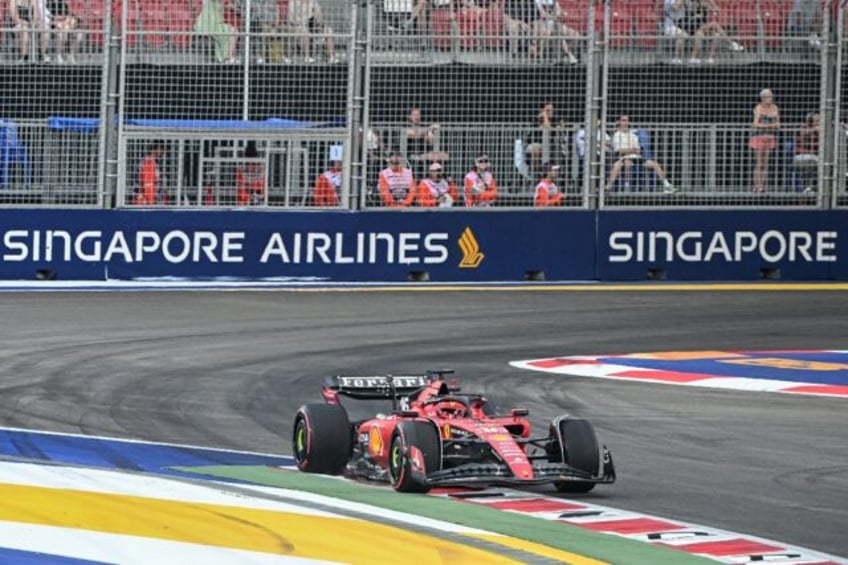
x=579, y=449
x=322, y=439
x=404, y=475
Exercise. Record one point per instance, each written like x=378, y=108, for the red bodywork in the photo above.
x=452, y=419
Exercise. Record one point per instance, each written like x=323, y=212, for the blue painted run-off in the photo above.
x=122, y=455
x=814, y=367
x=19, y=557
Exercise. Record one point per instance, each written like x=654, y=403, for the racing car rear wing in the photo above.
x=365, y=387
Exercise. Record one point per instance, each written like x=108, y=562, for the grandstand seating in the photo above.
x=180, y=22
x=441, y=26
x=157, y=24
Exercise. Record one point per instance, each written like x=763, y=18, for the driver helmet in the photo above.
x=450, y=409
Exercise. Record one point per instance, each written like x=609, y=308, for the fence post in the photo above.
x=107, y=178
x=596, y=70
x=354, y=174
x=828, y=107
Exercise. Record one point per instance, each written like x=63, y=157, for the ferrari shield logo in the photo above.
x=446, y=431
x=375, y=440
x=471, y=254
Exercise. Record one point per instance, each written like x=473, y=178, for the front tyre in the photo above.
x=415, y=451
x=322, y=439
x=577, y=448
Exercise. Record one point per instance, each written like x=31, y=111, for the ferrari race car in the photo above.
x=438, y=436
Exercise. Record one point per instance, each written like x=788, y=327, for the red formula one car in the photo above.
x=438, y=436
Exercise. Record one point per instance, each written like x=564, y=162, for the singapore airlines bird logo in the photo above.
x=471, y=255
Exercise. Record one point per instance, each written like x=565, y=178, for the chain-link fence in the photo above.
x=579, y=103
x=840, y=134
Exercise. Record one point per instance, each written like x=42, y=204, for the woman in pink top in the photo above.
x=764, y=141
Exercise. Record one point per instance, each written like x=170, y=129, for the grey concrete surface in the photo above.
x=229, y=369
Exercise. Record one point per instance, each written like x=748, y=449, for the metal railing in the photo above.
x=708, y=161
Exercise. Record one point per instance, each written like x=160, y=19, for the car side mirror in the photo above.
x=519, y=412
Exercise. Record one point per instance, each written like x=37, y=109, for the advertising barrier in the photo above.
x=309, y=245
x=438, y=246
x=726, y=245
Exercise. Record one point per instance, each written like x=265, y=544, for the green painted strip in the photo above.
x=606, y=547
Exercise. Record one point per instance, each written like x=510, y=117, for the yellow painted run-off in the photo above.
x=539, y=549
x=327, y=538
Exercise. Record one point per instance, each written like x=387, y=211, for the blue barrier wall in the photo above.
x=723, y=245
x=328, y=245
x=448, y=245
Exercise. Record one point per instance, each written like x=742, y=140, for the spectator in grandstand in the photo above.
x=480, y=187
x=675, y=14
x=805, y=20
x=806, y=158
x=436, y=191
x=250, y=178
x=764, y=141
x=211, y=23
x=545, y=123
x=28, y=18
x=328, y=186
x=150, y=188
x=519, y=16
x=698, y=19
x=548, y=26
x=701, y=22
x=64, y=25
x=397, y=184
x=306, y=20
x=627, y=150
x=547, y=192
x=263, y=21
x=421, y=141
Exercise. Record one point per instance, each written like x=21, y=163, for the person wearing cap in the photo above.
x=397, y=185
x=435, y=191
x=547, y=192
x=480, y=187
x=764, y=141
x=328, y=186
x=250, y=178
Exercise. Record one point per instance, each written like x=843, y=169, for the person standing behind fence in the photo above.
x=436, y=191
x=328, y=186
x=480, y=187
x=150, y=178
x=250, y=178
x=806, y=159
x=547, y=191
x=421, y=141
x=397, y=184
x=764, y=141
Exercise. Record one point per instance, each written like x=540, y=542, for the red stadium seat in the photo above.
x=574, y=14
x=91, y=23
x=492, y=27
x=621, y=25
x=774, y=18
x=745, y=21
x=131, y=32
x=469, y=28
x=441, y=24
x=180, y=19
x=154, y=19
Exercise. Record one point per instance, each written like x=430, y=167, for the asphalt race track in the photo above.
x=228, y=369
